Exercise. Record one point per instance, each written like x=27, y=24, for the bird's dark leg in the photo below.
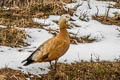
x=56, y=64
x=51, y=65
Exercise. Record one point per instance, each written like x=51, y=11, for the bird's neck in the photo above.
x=63, y=31
x=64, y=34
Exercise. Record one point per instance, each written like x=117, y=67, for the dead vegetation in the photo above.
x=83, y=16
x=20, y=14
x=12, y=37
x=10, y=74
x=85, y=71
x=115, y=20
x=74, y=39
x=117, y=5
x=76, y=71
x=109, y=0
x=35, y=8
x=84, y=39
x=108, y=20
x=19, y=3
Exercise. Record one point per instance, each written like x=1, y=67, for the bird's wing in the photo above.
x=39, y=52
x=46, y=49
x=42, y=51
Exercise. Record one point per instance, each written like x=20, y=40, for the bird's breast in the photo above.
x=59, y=50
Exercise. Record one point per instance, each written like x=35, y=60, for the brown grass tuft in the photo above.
x=109, y=20
x=10, y=74
x=85, y=39
x=12, y=36
x=117, y=5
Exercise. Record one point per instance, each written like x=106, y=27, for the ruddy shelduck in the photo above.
x=53, y=48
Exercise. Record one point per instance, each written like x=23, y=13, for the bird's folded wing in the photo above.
x=45, y=49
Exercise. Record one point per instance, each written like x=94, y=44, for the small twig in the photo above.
x=91, y=60
x=107, y=13
x=89, y=4
x=97, y=11
x=78, y=56
x=97, y=57
x=80, y=4
x=77, y=33
x=118, y=29
x=84, y=16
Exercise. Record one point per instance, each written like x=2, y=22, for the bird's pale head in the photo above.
x=63, y=21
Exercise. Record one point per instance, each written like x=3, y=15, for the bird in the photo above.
x=53, y=48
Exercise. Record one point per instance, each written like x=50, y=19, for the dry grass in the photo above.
x=85, y=71
x=117, y=5
x=108, y=20
x=103, y=70
x=24, y=14
x=22, y=17
x=108, y=0
x=12, y=36
x=115, y=20
x=84, y=39
x=10, y=74
x=19, y=3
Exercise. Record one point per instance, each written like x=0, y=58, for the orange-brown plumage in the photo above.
x=53, y=48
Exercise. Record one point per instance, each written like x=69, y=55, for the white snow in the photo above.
x=107, y=46
x=1, y=26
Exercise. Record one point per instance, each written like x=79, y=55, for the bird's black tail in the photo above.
x=28, y=61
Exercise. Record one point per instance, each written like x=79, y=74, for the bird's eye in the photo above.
x=67, y=16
